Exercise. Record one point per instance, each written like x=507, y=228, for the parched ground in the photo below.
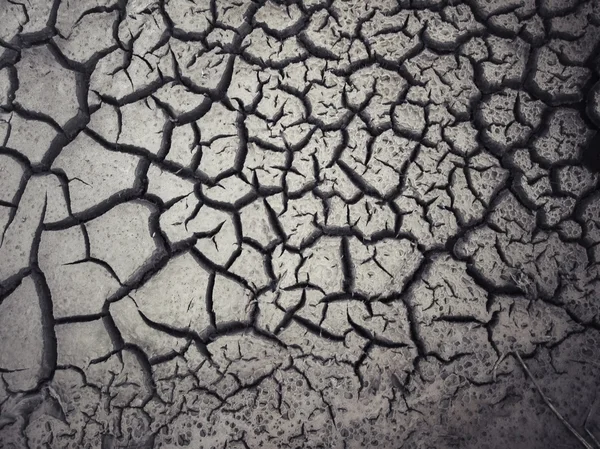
x=305, y=224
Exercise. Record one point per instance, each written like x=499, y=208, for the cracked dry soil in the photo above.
x=302, y=224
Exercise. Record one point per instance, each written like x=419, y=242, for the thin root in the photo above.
x=497, y=364
x=571, y=429
x=587, y=419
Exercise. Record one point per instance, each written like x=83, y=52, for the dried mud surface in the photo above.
x=303, y=224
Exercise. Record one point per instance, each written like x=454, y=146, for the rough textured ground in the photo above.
x=304, y=224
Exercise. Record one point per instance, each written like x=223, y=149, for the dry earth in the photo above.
x=304, y=224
